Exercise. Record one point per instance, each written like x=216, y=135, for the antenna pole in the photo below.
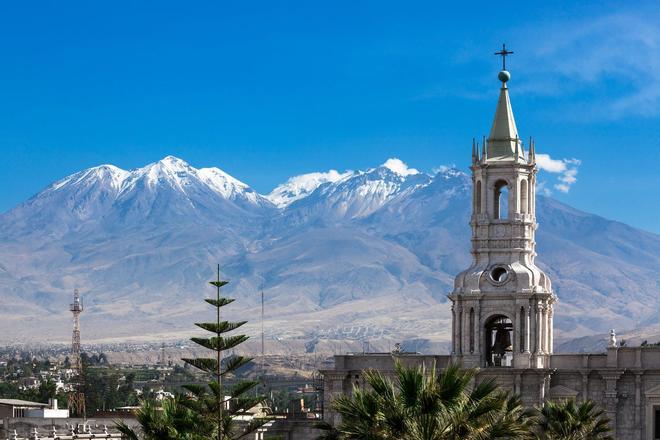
x=262, y=335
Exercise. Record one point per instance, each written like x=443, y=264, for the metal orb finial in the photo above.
x=504, y=76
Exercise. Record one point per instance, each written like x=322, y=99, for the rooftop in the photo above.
x=18, y=402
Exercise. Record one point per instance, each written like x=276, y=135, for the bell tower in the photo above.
x=502, y=305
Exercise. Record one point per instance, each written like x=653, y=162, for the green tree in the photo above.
x=216, y=403
x=47, y=390
x=10, y=390
x=105, y=388
x=422, y=405
x=568, y=420
x=212, y=409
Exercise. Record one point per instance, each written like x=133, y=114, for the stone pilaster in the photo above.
x=610, y=396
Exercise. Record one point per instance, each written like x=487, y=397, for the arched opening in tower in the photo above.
x=499, y=341
x=501, y=200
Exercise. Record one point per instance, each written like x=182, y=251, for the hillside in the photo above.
x=357, y=256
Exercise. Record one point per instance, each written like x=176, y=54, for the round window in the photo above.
x=499, y=274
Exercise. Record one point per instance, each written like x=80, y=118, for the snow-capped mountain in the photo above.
x=106, y=196
x=178, y=175
x=299, y=187
x=358, y=194
x=375, y=250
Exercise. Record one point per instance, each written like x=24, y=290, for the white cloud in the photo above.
x=566, y=168
x=546, y=163
x=399, y=167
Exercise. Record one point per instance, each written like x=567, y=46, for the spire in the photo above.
x=503, y=141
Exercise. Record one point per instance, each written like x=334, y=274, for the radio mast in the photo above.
x=76, y=397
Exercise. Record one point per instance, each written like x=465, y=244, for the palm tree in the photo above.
x=169, y=421
x=568, y=420
x=421, y=405
x=513, y=420
x=328, y=432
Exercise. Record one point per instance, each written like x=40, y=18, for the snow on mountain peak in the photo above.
x=298, y=187
x=181, y=176
x=169, y=170
x=173, y=162
x=448, y=171
x=400, y=167
x=228, y=186
x=111, y=175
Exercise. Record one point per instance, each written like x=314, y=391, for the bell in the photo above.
x=502, y=342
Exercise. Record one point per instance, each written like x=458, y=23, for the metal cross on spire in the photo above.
x=503, y=53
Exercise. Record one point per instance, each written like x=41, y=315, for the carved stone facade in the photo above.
x=503, y=307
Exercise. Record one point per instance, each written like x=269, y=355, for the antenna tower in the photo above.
x=76, y=396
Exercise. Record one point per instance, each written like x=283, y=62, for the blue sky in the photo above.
x=267, y=90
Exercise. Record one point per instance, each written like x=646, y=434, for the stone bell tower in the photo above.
x=502, y=305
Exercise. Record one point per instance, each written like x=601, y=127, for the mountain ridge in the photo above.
x=361, y=248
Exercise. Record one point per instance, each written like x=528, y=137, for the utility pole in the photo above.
x=262, y=333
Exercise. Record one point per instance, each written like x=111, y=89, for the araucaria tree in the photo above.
x=219, y=406
x=213, y=410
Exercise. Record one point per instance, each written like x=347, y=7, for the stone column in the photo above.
x=459, y=330
x=546, y=327
x=466, y=329
x=517, y=346
x=472, y=333
x=551, y=328
x=528, y=332
x=453, y=330
x=533, y=338
x=539, y=327
x=477, y=329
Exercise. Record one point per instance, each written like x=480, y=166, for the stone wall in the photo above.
x=624, y=381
